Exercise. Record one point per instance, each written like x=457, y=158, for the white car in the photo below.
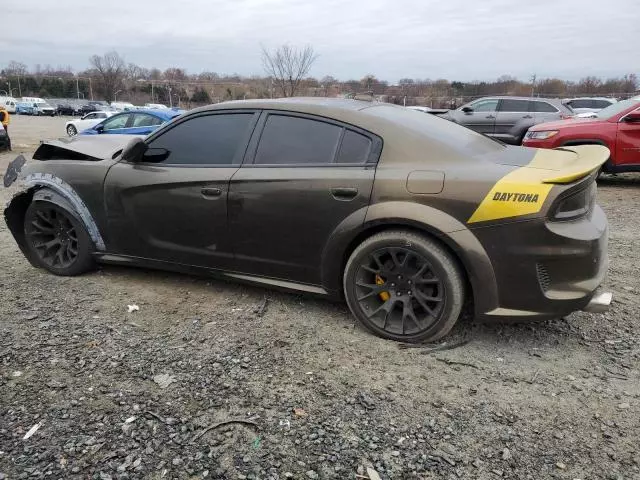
x=155, y=106
x=122, y=106
x=585, y=107
x=89, y=120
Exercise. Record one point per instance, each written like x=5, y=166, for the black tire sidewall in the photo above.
x=74, y=129
x=450, y=280
x=84, y=260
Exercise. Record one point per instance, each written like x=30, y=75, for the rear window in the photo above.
x=544, y=107
x=601, y=103
x=508, y=105
x=580, y=103
x=437, y=130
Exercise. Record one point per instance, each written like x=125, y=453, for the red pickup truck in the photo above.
x=616, y=127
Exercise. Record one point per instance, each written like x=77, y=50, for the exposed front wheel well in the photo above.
x=375, y=229
x=14, y=215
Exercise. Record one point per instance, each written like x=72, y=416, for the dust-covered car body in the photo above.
x=306, y=184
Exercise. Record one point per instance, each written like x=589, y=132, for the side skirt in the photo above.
x=276, y=283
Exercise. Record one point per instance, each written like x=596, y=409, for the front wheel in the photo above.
x=404, y=286
x=72, y=131
x=57, y=241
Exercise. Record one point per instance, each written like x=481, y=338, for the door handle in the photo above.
x=344, y=193
x=210, y=192
x=490, y=116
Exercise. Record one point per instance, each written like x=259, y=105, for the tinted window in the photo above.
x=509, y=105
x=544, y=107
x=145, y=120
x=580, y=103
x=485, y=106
x=100, y=115
x=205, y=140
x=601, y=104
x=119, y=121
x=290, y=140
x=355, y=148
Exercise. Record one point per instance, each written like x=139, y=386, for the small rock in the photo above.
x=506, y=454
x=395, y=453
x=312, y=474
x=623, y=406
x=571, y=378
x=561, y=466
x=176, y=461
x=477, y=463
x=55, y=384
x=164, y=380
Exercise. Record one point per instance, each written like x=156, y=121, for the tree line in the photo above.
x=109, y=77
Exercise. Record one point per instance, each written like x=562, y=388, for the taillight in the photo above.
x=575, y=205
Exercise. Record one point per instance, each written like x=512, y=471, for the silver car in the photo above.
x=508, y=118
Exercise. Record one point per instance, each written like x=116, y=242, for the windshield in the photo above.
x=616, y=108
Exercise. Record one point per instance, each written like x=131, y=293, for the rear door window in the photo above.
x=544, y=107
x=355, y=148
x=289, y=140
x=509, y=105
x=485, y=106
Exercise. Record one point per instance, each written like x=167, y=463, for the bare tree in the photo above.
x=111, y=70
x=287, y=66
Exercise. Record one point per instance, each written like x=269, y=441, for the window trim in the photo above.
x=252, y=149
x=169, y=125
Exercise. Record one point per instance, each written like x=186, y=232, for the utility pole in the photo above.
x=77, y=88
x=533, y=84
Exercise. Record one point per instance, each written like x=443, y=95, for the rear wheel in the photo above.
x=57, y=241
x=405, y=287
x=72, y=131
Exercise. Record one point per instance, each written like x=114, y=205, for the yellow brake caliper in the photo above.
x=384, y=296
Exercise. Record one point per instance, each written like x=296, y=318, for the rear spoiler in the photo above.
x=589, y=158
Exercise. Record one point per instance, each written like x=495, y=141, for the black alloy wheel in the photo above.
x=404, y=287
x=57, y=240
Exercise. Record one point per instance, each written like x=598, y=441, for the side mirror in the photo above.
x=633, y=117
x=100, y=128
x=154, y=155
x=467, y=109
x=134, y=151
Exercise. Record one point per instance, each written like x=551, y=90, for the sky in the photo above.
x=461, y=40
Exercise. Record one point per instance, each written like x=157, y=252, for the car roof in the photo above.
x=593, y=98
x=163, y=114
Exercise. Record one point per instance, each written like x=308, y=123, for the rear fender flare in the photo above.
x=53, y=189
x=451, y=232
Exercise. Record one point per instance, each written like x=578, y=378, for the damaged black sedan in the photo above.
x=406, y=216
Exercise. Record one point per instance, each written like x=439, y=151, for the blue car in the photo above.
x=132, y=122
x=23, y=108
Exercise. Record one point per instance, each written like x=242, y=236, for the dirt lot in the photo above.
x=141, y=394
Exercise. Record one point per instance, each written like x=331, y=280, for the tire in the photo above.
x=72, y=131
x=404, y=286
x=56, y=240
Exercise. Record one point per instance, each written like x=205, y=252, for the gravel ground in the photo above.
x=215, y=380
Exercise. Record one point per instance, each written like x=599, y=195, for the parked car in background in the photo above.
x=87, y=121
x=66, y=109
x=617, y=127
x=9, y=104
x=508, y=118
x=156, y=106
x=406, y=216
x=23, y=108
x=122, y=106
x=585, y=106
x=134, y=122
x=40, y=106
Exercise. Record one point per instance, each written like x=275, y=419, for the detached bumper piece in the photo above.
x=599, y=303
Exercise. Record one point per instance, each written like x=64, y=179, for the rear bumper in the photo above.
x=547, y=269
